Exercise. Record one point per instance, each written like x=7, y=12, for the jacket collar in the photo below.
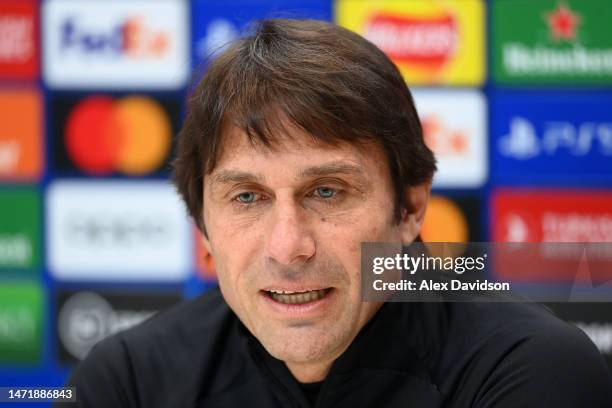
x=393, y=352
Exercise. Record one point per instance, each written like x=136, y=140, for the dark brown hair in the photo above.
x=324, y=79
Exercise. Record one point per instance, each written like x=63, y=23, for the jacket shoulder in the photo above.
x=521, y=354
x=160, y=362
x=203, y=316
x=552, y=363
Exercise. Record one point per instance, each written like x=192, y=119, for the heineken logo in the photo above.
x=558, y=41
x=563, y=23
x=521, y=60
x=413, y=39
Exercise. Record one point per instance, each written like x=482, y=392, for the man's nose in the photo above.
x=289, y=239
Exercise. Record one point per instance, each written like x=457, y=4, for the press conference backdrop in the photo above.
x=515, y=98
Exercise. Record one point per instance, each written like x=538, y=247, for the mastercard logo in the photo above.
x=130, y=135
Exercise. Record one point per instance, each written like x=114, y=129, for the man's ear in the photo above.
x=412, y=220
x=205, y=241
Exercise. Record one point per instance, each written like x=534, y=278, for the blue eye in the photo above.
x=246, y=198
x=325, y=192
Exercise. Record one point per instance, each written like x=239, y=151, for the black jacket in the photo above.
x=198, y=354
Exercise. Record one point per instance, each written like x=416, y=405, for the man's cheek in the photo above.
x=238, y=226
x=233, y=293
x=225, y=275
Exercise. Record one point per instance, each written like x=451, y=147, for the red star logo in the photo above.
x=563, y=23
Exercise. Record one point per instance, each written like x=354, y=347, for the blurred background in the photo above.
x=515, y=98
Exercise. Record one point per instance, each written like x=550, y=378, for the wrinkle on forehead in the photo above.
x=285, y=136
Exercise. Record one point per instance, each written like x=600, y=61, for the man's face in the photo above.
x=285, y=227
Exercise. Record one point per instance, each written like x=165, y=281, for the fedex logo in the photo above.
x=132, y=38
x=523, y=141
x=116, y=44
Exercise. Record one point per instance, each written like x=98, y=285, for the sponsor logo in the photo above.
x=561, y=41
x=454, y=127
x=85, y=230
x=117, y=231
x=452, y=219
x=116, y=44
x=21, y=308
x=549, y=138
x=84, y=318
x=130, y=38
x=555, y=216
x=101, y=135
x=219, y=33
x=558, y=217
x=520, y=60
x=442, y=211
x=19, y=231
x=15, y=249
x=21, y=136
x=523, y=142
x=217, y=23
x=131, y=135
x=555, y=227
x=430, y=42
x=18, y=39
x=594, y=318
x=563, y=22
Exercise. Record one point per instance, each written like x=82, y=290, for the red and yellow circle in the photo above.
x=131, y=135
x=444, y=222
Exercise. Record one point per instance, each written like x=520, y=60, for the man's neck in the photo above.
x=308, y=373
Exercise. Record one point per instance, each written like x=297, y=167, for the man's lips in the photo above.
x=296, y=297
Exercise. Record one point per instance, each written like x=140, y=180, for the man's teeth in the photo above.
x=297, y=298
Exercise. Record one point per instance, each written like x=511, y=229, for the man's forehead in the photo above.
x=304, y=155
x=283, y=137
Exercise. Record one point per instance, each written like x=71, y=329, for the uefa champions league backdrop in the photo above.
x=93, y=238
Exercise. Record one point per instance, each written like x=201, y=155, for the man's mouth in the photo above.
x=297, y=298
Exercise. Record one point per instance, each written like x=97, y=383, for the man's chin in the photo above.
x=301, y=356
x=302, y=344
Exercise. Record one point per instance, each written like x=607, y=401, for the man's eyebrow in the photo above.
x=330, y=169
x=235, y=176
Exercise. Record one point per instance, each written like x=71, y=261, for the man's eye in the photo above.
x=325, y=192
x=246, y=198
